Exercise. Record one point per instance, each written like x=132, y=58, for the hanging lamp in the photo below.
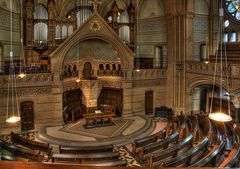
x=78, y=74
x=220, y=115
x=22, y=72
x=12, y=114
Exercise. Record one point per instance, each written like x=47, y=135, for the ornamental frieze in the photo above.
x=29, y=91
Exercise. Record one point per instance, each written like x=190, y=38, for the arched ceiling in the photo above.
x=5, y=4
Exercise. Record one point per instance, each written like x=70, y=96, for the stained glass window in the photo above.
x=233, y=8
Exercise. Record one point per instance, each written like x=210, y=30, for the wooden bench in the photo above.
x=7, y=157
x=86, y=149
x=212, y=158
x=91, y=159
x=15, y=138
x=234, y=160
x=148, y=140
x=145, y=151
x=81, y=158
x=23, y=152
x=186, y=158
x=155, y=158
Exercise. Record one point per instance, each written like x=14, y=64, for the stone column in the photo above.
x=179, y=23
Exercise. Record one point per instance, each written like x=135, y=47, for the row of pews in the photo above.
x=190, y=141
x=35, y=151
x=89, y=156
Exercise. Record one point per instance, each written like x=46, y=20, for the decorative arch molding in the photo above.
x=87, y=31
x=195, y=82
x=141, y=6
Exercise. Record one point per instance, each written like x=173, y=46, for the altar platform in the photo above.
x=123, y=132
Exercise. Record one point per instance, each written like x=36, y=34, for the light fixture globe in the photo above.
x=219, y=116
x=13, y=119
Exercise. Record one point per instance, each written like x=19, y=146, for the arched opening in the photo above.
x=149, y=102
x=73, y=109
x=27, y=116
x=87, y=71
x=112, y=97
x=202, y=98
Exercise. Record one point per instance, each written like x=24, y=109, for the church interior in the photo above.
x=88, y=84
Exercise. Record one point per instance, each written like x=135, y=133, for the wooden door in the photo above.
x=27, y=116
x=149, y=102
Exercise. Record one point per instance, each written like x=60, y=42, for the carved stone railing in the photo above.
x=233, y=71
x=41, y=79
x=145, y=74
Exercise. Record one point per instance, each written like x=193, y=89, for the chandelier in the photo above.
x=12, y=114
x=220, y=115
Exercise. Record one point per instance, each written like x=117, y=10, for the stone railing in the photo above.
x=209, y=69
x=144, y=74
x=43, y=79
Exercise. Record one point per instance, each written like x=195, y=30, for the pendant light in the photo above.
x=220, y=115
x=12, y=114
x=22, y=71
x=78, y=73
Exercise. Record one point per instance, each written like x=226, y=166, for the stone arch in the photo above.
x=125, y=62
x=151, y=8
x=195, y=82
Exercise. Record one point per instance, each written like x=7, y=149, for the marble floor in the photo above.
x=122, y=133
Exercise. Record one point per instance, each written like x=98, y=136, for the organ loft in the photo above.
x=119, y=84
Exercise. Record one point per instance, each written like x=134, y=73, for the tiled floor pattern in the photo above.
x=126, y=155
x=100, y=132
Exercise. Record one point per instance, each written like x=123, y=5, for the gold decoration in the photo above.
x=95, y=26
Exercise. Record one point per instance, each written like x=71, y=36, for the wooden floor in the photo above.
x=21, y=165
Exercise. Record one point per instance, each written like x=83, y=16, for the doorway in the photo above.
x=27, y=116
x=149, y=102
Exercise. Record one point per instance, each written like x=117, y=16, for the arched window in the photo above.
x=124, y=31
x=107, y=67
x=231, y=21
x=225, y=38
x=40, y=16
x=101, y=67
x=70, y=30
x=58, y=32
x=64, y=31
x=233, y=37
x=40, y=32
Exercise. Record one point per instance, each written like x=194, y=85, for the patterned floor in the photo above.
x=126, y=155
x=100, y=132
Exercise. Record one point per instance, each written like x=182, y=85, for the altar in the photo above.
x=100, y=119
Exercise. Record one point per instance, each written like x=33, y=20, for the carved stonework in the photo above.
x=95, y=26
x=29, y=91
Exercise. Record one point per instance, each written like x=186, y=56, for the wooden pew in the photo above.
x=91, y=159
x=186, y=158
x=145, y=151
x=23, y=152
x=233, y=161
x=7, y=157
x=86, y=149
x=15, y=138
x=155, y=158
x=195, y=127
x=148, y=140
x=212, y=159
